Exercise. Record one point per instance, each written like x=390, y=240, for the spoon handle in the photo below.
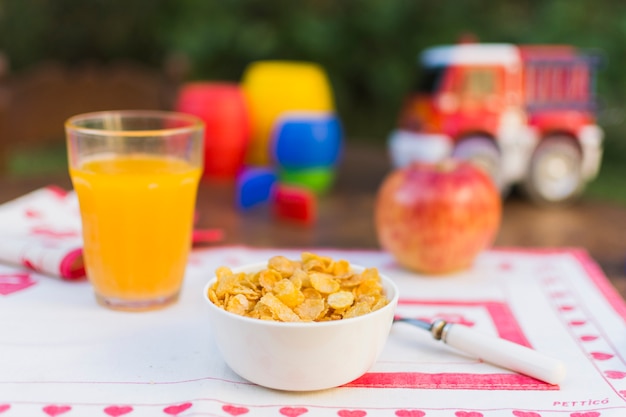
x=504, y=353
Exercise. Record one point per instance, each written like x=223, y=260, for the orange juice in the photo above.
x=137, y=213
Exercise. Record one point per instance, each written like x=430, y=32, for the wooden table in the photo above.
x=346, y=216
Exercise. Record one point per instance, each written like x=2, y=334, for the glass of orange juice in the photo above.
x=136, y=176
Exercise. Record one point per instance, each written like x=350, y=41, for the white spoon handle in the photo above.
x=504, y=353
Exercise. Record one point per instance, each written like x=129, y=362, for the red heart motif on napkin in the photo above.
x=116, y=411
x=468, y=414
x=52, y=233
x=410, y=413
x=293, y=411
x=351, y=413
x=506, y=266
x=4, y=407
x=235, y=411
x=174, y=410
x=32, y=213
x=517, y=413
x=587, y=414
x=56, y=410
x=10, y=283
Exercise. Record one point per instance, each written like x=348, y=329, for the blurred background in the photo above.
x=63, y=57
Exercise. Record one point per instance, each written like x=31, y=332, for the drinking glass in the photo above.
x=136, y=176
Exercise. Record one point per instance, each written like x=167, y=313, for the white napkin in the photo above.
x=41, y=231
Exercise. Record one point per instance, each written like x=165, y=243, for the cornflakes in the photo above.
x=340, y=300
x=314, y=288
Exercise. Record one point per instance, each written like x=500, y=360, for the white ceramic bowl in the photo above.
x=301, y=356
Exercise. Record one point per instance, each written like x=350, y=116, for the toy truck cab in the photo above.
x=524, y=114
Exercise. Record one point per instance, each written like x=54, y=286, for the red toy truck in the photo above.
x=524, y=113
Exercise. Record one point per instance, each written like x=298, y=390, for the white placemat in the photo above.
x=62, y=354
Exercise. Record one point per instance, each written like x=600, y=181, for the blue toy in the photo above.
x=254, y=186
x=307, y=140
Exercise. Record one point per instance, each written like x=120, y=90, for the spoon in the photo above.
x=494, y=350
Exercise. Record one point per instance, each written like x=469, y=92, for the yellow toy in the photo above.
x=274, y=87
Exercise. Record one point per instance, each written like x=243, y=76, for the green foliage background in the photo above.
x=368, y=47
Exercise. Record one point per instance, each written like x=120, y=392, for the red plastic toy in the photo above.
x=223, y=109
x=295, y=203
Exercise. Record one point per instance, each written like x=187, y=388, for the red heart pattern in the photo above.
x=56, y=410
x=234, y=411
x=615, y=374
x=116, y=411
x=601, y=356
x=518, y=413
x=351, y=413
x=32, y=213
x=410, y=413
x=293, y=411
x=588, y=338
x=506, y=266
x=53, y=233
x=14, y=282
x=174, y=410
x=468, y=414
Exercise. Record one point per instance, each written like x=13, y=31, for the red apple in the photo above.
x=435, y=218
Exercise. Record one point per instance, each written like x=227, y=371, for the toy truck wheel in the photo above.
x=484, y=153
x=554, y=175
